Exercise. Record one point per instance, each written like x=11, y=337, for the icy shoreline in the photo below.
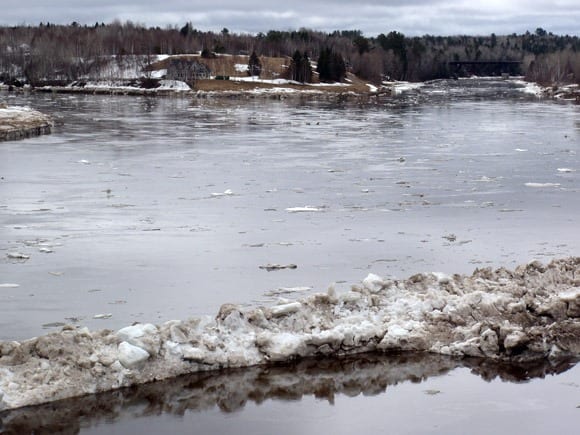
x=522, y=315
x=22, y=122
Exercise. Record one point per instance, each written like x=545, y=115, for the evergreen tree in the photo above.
x=300, y=69
x=254, y=65
x=331, y=66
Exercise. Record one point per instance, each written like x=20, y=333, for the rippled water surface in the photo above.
x=151, y=209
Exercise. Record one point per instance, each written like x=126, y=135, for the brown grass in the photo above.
x=272, y=68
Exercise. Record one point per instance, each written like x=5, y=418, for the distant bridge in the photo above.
x=486, y=67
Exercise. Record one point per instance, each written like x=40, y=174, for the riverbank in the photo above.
x=22, y=122
x=522, y=315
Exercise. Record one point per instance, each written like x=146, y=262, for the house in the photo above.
x=187, y=70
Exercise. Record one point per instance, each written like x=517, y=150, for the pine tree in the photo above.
x=300, y=69
x=254, y=65
x=331, y=66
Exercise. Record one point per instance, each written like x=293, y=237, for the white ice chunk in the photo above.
x=374, y=283
x=542, y=184
x=284, y=309
x=145, y=336
x=226, y=192
x=305, y=209
x=131, y=356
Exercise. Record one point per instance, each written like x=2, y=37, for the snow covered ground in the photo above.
x=529, y=313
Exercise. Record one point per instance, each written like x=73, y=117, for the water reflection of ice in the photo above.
x=333, y=382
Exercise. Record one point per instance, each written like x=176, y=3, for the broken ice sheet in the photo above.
x=9, y=285
x=305, y=209
x=287, y=290
x=17, y=256
x=227, y=192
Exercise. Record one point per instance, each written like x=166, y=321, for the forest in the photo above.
x=34, y=54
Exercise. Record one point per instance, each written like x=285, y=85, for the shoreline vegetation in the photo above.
x=129, y=58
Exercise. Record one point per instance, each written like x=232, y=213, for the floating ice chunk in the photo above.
x=17, y=256
x=84, y=162
x=286, y=290
x=521, y=150
x=9, y=285
x=103, y=316
x=565, y=170
x=542, y=184
x=131, y=356
x=226, y=192
x=305, y=209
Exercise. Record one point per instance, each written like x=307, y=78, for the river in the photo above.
x=141, y=209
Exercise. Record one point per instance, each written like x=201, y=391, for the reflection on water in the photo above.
x=232, y=390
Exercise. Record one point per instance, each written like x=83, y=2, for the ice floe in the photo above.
x=542, y=185
x=532, y=312
x=305, y=209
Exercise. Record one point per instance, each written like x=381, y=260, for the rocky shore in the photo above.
x=22, y=122
x=530, y=313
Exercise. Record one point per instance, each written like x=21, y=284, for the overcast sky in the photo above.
x=411, y=17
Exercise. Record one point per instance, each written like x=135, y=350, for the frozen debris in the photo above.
x=9, y=285
x=542, y=185
x=270, y=267
x=45, y=250
x=226, y=192
x=305, y=209
x=374, y=283
x=521, y=315
x=102, y=316
x=287, y=290
x=17, y=256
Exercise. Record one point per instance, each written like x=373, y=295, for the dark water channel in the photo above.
x=151, y=209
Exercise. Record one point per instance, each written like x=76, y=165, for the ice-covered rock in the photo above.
x=529, y=313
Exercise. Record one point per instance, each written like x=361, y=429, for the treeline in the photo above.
x=69, y=52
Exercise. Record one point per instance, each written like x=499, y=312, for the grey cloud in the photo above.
x=412, y=17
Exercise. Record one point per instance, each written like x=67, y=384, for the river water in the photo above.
x=151, y=209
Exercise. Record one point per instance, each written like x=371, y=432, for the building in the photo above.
x=187, y=70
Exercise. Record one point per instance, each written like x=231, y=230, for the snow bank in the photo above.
x=22, y=122
x=526, y=314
